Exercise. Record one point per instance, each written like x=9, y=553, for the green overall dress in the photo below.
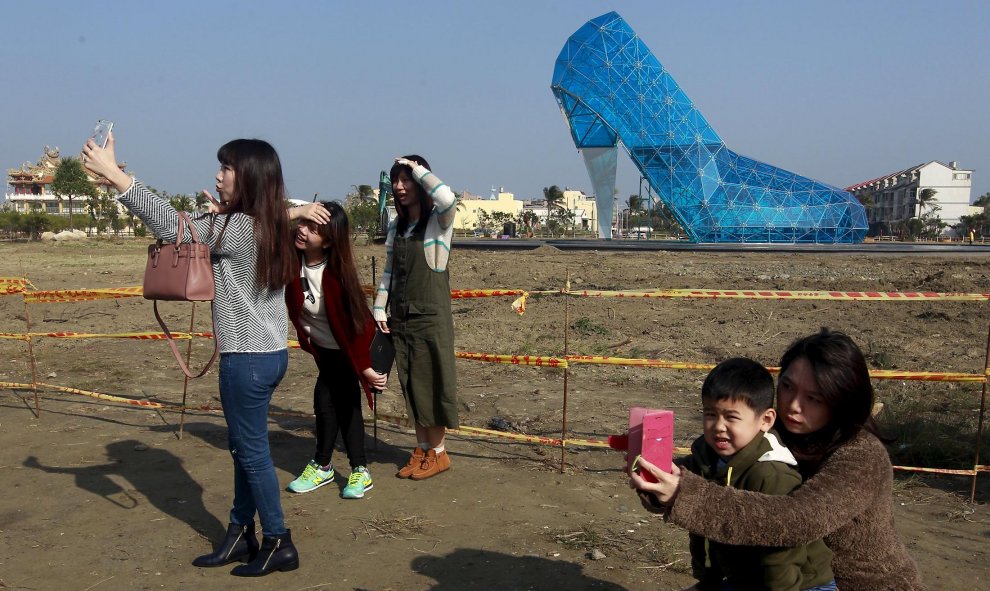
x=422, y=328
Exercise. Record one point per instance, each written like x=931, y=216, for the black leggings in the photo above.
x=337, y=405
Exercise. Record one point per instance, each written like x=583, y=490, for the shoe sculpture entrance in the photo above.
x=613, y=91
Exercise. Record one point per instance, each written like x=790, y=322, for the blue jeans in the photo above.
x=247, y=381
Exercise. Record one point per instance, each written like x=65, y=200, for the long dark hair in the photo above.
x=259, y=191
x=336, y=236
x=425, y=201
x=844, y=384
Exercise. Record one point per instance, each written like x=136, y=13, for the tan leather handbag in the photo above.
x=180, y=272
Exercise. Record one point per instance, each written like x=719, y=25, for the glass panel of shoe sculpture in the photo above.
x=613, y=91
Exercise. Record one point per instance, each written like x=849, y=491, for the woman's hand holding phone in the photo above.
x=103, y=161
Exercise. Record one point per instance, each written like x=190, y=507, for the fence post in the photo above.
x=34, y=366
x=567, y=322
x=979, y=425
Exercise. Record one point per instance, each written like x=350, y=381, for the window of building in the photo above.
x=961, y=176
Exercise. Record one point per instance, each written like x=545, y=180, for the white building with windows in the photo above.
x=31, y=188
x=895, y=196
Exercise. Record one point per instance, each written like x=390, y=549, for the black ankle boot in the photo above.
x=238, y=545
x=277, y=553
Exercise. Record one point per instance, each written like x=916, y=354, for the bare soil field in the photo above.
x=99, y=496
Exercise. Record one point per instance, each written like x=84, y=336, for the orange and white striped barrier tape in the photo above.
x=534, y=360
x=12, y=285
x=404, y=422
x=757, y=294
x=602, y=360
x=143, y=336
x=457, y=294
x=926, y=376
x=81, y=295
x=531, y=360
x=936, y=470
x=14, y=335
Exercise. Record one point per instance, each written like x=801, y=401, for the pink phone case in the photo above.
x=651, y=434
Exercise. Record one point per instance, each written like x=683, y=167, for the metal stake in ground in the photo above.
x=979, y=425
x=567, y=324
x=34, y=366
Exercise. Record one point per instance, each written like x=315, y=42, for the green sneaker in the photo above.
x=357, y=483
x=312, y=478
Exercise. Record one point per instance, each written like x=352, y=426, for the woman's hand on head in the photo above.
x=376, y=380
x=664, y=490
x=103, y=161
x=406, y=162
x=313, y=212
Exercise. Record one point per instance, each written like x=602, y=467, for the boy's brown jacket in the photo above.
x=847, y=502
x=768, y=467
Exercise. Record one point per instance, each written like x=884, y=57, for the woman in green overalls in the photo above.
x=416, y=292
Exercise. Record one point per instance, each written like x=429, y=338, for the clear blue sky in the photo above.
x=841, y=91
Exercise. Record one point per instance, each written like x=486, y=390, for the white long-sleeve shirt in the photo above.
x=436, y=241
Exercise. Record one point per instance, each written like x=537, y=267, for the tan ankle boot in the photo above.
x=413, y=464
x=433, y=464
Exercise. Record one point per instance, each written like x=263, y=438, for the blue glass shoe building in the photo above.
x=613, y=91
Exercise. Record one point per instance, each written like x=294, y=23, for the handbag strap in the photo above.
x=175, y=350
x=185, y=221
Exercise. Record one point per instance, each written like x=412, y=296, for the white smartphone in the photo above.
x=101, y=133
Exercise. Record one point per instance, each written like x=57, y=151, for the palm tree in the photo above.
x=554, y=198
x=926, y=198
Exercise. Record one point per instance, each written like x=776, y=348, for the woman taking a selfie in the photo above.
x=824, y=405
x=415, y=288
x=253, y=259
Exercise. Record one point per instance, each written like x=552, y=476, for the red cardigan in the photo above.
x=357, y=349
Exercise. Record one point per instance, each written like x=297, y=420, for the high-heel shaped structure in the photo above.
x=613, y=91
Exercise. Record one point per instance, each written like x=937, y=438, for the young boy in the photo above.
x=739, y=450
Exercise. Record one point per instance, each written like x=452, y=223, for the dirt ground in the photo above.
x=97, y=495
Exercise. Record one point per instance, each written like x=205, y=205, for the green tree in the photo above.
x=365, y=192
x=554, y=198
x=36, y=222
x=485, y=221
x=499, y=219
x=362, y=214
x=72, y=181
x=867, y=200
x=912, y=228
x=635, y=203
x=527, y=219
x=201, y=201
x=181, y=202
x=9, y=222
x=103, y=213
x=926, y=200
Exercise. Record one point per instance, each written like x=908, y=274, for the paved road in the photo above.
x=675, y=245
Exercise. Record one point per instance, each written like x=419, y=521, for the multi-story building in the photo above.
x=582, y=207
x=31, y=187
x=470, y=208
x=895, y=196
